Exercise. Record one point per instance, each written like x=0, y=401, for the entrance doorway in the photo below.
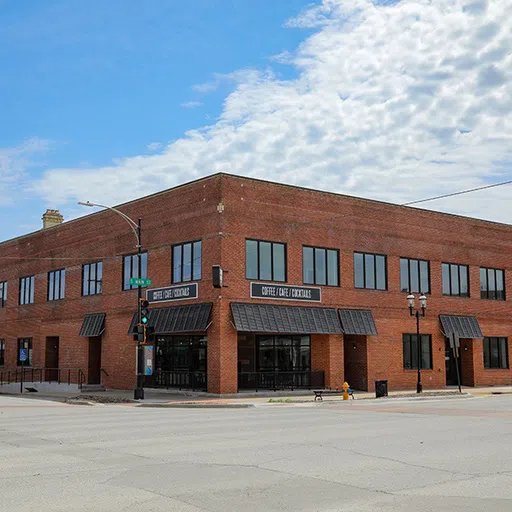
x=356, y=361
x=51, y=360
x=451, y=368
x=94, y=361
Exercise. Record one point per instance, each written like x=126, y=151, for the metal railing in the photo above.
x=58, y=375
x=281, y=380
x=196, y=381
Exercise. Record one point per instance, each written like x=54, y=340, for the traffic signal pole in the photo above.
x=138, y=393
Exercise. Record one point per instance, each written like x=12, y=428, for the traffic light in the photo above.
x=144, y=311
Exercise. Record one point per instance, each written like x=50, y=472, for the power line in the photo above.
x=458, y=193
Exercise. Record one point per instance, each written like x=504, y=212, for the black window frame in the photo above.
x=28, y=362
x=2, y=352
x=134, y=258
x=60, y=293
x=409, y=290
x=192, y=259
x=3, y=293
x=31, y=280
x=93, y=284
x=411, y=337
x=486, y=294
x=276, y=342
x=272, y=243
x=488, y=360
x=374, y=254
x=459, y=266
x=326, y=249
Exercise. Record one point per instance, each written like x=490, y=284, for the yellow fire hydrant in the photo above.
x=345, y=387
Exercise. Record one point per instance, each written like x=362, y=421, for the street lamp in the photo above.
x=423, y=304
x=136, y=227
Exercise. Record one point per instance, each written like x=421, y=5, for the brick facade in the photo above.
x=223, y=211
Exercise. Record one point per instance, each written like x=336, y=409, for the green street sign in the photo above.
x=140, y=281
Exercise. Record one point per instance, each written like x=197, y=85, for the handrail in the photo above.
x=42, y=374
x=104, y=371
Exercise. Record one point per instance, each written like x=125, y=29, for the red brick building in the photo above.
x=313, y=293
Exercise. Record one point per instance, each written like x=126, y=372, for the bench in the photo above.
x=320, y=392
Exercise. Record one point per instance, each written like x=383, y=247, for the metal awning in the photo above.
x=463, y=326
x=174, y=319
x=93, y=325
x=357, y=321
x=285, y=319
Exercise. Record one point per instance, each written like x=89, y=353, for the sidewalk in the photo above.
x=253, y=398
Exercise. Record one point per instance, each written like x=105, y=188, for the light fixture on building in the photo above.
x=423, y=305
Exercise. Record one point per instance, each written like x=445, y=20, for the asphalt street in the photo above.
x=357, y=456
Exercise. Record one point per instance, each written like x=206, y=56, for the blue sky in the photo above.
x=393, y=100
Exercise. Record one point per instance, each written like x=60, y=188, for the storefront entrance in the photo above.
x=451, y=365
x=276, y=362
x=180, y=362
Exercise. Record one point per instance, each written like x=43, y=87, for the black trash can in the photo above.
x=381, y=388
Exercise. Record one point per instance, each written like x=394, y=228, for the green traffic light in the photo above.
x=144, y=320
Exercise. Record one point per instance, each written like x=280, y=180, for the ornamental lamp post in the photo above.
x=416, y=313
x=136, y=227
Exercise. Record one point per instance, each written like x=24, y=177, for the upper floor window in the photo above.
x=3, y=294
x=492, y=284
x=131, y=269
x=27, y=290
x=410, y=348
x=92, y=278
x=455, y=279
x=414, y=276
x=186, y=262
x=56, y=284
x=2, y=352
x=496, y=353
x=265, y=261
x=26, y=345
x=370, y=271
x=320, y=266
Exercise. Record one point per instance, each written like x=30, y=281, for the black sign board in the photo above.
x=180, y=292
x=283, y=292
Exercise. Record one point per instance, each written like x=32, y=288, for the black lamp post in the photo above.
x=423, y=303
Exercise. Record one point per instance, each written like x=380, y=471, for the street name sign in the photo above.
x=140, y=281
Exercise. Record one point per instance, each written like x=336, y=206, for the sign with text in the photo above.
x=140, y=281
x=284, y=292
x=23, y=354
x=180, y=292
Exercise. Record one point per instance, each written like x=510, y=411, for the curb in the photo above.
x=195, y=406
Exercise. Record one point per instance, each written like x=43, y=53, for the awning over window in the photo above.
x=463, y=326
x=357, y=321
x=93, y=325
x=285, y=319
x=174, y=319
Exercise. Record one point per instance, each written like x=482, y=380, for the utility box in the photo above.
x=381, y=388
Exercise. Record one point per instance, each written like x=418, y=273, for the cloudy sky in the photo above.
x=391, y=100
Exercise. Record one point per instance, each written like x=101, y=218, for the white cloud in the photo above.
x=154, y=146
x=14, y=163
x=191, y=104
x=393, y=101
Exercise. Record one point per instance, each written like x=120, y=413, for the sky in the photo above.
x=394, y=100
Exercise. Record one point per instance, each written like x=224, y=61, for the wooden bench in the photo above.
x=320, y=392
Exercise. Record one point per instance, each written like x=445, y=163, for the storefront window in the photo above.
x=283, y=353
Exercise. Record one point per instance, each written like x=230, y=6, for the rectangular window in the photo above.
x=3, y=294
x=56, y=284
x=187, y=262
x=2, y=352
x=265, y=261
x=492, y=284
x=320, y=266
x=131, y=269
x=455, y=279
x=370, y=271
x=414, y=276
x=410, y=347
x=92, y=278
x=285, y=353
x=26, y=345
x=27, y=290
x=496, y=353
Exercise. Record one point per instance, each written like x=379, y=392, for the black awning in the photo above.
x=357, y=321
x=285, y=319
x=190, y=318
x=463, y=326
x=93, y=325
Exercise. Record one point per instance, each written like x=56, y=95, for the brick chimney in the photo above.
x=52, y=218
